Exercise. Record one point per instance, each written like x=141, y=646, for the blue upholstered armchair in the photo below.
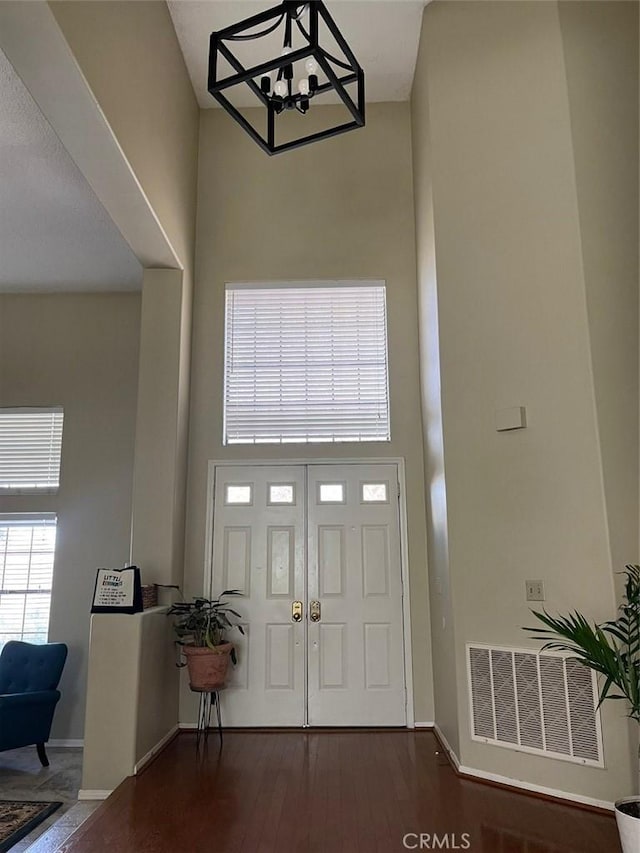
x=29, y=676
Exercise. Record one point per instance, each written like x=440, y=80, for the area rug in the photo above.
x=18, y=818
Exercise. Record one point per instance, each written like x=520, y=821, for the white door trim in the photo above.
x=399, y=461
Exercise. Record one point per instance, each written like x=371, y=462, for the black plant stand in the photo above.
x=208, y=701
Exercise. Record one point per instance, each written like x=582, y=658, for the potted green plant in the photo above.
x=201, y=626
x=612, y=649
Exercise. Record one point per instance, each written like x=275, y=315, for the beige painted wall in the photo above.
x=157, y=535
x=130, y=656
x=131, y=58
x=110, y=725
x=601, y=55
x=81, y=352
x=151, y=108
x=441, y=606
x=158, y=683
x=339, y=209
x=492, y=95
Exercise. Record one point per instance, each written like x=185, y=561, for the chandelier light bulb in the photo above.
x=303, y=86
x=311, y=66
x=281, y=88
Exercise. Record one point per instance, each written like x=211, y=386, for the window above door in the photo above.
x=306, y=363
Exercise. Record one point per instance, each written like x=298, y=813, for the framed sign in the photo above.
x=117, y=591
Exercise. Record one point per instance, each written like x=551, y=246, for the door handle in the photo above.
x=315, y=614
x=296, y=611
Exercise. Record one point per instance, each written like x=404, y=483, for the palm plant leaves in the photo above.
x=611, y=649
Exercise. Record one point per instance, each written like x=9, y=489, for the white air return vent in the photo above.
x=540, y=703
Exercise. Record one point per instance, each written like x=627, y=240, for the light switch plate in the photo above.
x=535, y=590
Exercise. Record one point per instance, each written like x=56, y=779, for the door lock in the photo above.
x=314, y=611
x=296, y=611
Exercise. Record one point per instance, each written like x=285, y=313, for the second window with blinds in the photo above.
x=306, y=363
x=30, y=456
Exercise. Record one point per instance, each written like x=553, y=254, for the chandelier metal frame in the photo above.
x=339, y=72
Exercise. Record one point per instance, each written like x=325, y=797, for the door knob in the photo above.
x=296, y=611
x=314, y=611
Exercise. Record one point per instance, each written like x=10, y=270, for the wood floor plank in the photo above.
x=308, y=791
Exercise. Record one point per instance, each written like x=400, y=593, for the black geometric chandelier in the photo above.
x=289, y=83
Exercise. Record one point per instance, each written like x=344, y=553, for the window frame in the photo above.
x=283, y=440
x=28, y=519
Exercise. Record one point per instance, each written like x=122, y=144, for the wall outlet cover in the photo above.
x=535, y=590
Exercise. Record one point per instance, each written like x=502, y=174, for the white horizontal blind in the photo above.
x=27, y=546
x=306, y=363
x=30, y=449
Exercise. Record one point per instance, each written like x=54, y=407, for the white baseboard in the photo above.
x=448, y=748
x=536, y=789
x=519, y=783
x=155, y=749
x=184, y=727
x=77, y=742
x=91, y=794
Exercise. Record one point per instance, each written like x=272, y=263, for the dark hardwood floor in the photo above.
x=327, y=792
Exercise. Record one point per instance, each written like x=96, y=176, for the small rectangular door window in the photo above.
x=281, y=494
x=237, y=493
x=374, y=493
x=332, y=493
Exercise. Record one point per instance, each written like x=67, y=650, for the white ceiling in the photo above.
x=54, y=233
x=383, y=35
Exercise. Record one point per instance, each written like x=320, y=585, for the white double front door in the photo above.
x=315, y=550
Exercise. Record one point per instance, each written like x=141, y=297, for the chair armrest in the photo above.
x=35, y=697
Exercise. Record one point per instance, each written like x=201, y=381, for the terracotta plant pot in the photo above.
x=207, y=667
x=628, y=824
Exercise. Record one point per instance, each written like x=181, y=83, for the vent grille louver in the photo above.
x=540, y=703
x=481, y=690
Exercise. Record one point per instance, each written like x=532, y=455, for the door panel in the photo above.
x=326, y=536
x=356, y=655
x=259, y=548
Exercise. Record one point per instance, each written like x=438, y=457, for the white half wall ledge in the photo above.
x=67, y=743
x=132, y=695
x=32, y=41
